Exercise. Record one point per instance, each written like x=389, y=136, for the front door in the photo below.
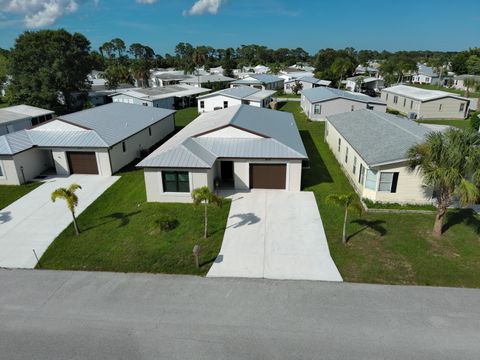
x=226, y=171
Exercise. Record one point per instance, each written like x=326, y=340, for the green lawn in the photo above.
x=185, y=116
x=443, y=88
x=2, y=102
x=120, y=232
x=288, y=96
x=11, y=193
x=461, y=124
x=388, y=248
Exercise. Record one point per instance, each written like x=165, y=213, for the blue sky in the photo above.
x=311, y=24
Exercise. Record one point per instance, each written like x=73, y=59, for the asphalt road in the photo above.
x=76, y=315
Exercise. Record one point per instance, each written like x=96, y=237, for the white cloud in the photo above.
x=146, y=1
x=204, y=6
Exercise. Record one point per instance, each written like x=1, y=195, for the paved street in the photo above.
x=75, y=315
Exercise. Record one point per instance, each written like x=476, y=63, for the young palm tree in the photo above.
x=71, y=198
x=449, y=163
x=205, y=196
x=469, y=83
x=348, y=202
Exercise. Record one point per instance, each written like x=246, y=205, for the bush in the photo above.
x=396, y=206
x=167, y=223
x=393, y=112
x=475, y=120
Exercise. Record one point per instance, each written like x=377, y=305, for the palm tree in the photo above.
x=348, y=202
x=205, y=196
x=449, y=163
x=359, y=83
x=71, y=198
x=469, y=83
x=341, y=67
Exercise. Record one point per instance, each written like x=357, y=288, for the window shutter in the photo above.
x=394, y=182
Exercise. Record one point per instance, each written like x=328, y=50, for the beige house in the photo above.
x=97, y=141
x=425, y=104
x=241, y=147
x=371, y=148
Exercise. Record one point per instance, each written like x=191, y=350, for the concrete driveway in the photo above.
x=275, y=234
x=33, y=221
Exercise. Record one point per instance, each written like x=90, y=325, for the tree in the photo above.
x=473, y=65
x=141, y=71
x=71, y=198
x=47, y=66
x=449, y=163
x=3, y=69
x=297, y=87
x=228, y=63
x=469, y=83
x=348, y=202
x=116, y=74
x=359, y=83
x=341, y=67
x=205, y=196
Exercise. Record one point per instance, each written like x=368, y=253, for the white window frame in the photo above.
x=370, y=178
x=317, y=109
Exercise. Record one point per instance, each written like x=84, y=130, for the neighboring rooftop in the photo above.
x=312, y=80
x=278, y=137
x=420, y=94
x=163, y=92
x=242, y=93
x=203, y=79
x=320, y=94
x=366, y=79
x=259, y=79
x=466, y=76
x=101, y=126
x=19, y=112
x=379, y=138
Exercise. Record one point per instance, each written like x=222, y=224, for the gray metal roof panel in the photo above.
x=66, y=138
x=320, y=94
x=239, y=92
x=378, y=137
x=8, y=116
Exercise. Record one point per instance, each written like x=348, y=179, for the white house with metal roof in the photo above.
x=425, y=104
x=261, y=81
x=427, y=75
x=368, y=83
x=209, y=81
x=241, y=147
x=308, y=82
x=101, y=140
x=235, y=96
x=19, y=117
x=320, y=102
x=371, y=147
x=167, y=97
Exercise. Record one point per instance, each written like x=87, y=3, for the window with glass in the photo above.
x=124, y=146
x=202, y=104
x=352, y=108
x=440, y=107
x=371, y=180
x=175, y=181
x=354, y=169
x=395, y=99
x=361, y=174
x=411, y=104
x=339, y=144
x=1, y=171
x=225, y=104
x=346, y=154
x=404, y=102
x=149, y=131
x=462, y=107
x=388, y=182
x=317, y=109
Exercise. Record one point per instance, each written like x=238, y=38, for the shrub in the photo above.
x=393, y=112
x=167, y=223
x=475, y=120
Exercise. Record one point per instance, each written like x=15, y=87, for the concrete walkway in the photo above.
x=33, y=221
x=81, y=315
x=275, y=234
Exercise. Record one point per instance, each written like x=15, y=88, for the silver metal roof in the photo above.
x=278, y=137
x=319, y=94
x=378, y=137
x=259, y=78
x=21, y=112
x=202, y=79
x=163, y=92
x=242, y=93
x=420, y=94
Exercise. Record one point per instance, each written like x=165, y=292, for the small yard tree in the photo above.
x=297, y=87
x=470, y=83
x=205, y=196
x=348, y=202
x=449, y=163
x=71, y=198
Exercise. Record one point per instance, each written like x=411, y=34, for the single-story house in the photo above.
x=293, y=73
x=320, y=102
x=371, y=147
x=427, y=75
x=241, y=147
x=167, y=97
x=208, y=81
x=100, y=140
x=19, y=117
x=425, y=104
x=164, y=78
x=458, y=81
x=308, y=82
x=261, y=81
x=369, y=84
x=235, y=96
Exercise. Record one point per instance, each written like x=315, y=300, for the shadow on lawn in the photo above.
x=318, y=172
x=465, y=216
x=124, y=219
x=375, y=225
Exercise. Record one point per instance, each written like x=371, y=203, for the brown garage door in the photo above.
x=268, y=176
x=82, y=162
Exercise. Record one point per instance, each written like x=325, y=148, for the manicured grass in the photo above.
x=11, y=193
x=288, y=96
x=461, y=124
x=388, y=248
x=120, y=232
x=443, y=88
x=185, y=116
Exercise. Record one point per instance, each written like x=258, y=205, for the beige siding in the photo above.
x=10, y=175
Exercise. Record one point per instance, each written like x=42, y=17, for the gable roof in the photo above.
x=421, y=94
x=279, y=138
x=242, y=93
x=312, y=80
x=206, y=78
x=377, y=137
x=98, y=127
x=163, y=92
x=259, y=79
x=320, y=94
